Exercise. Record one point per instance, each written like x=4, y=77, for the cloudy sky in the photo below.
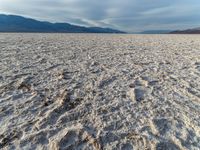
x=127, y=15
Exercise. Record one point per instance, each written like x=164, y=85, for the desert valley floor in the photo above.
x=99, y=91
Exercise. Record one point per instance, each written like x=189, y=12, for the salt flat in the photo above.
x=99, y=91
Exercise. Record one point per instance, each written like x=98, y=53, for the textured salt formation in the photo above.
x=98, y=91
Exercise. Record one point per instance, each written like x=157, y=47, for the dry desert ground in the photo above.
x=99, y=91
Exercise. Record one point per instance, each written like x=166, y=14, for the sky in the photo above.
x=126, y=15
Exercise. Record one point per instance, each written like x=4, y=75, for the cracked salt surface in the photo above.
x=99, y=91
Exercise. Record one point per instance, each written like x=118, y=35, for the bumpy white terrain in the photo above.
x=98, y=91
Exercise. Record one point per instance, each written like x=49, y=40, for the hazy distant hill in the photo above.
x=13, y=23
x=188, y=31
x=155, y=32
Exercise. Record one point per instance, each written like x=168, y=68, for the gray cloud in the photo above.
x=128, y=15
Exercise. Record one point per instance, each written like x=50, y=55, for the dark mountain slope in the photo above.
x=13, y=23
x=188, y=31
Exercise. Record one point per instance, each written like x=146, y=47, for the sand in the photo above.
x=99, y=91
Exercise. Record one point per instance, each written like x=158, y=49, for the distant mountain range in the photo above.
x=13, y=23
x=188, y=31
x=155, y=32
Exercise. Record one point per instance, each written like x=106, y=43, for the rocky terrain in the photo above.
x=99, y=91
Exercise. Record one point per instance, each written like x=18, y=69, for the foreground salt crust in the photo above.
x=98, y=91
